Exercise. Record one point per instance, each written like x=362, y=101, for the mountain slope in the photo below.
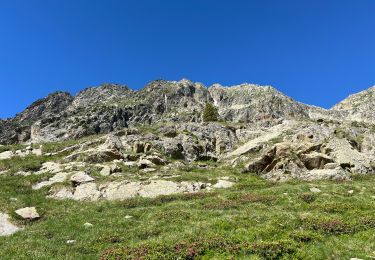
x=359, y=106
x=109, y=107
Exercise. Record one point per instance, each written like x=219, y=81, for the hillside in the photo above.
x=117, y=173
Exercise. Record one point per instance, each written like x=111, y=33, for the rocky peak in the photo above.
x=101, y=94
x=51, y=105
x=248, y=102
x=359, y=106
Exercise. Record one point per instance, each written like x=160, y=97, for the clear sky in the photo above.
x=316, y=51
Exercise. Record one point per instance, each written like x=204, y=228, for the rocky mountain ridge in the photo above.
x=111, y=107
x=115, y=143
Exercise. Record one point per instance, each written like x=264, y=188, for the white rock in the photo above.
x=128, y=217
x=130, y=164
x=87, y=191
x=28, y=213
x=121, y=190
x=143, y=163
x=50, y=167
x=6, y=155
x=63, y=193
x=222, y=184
x=71, y=241
x=148, y=170
x=350, y=191
x=105, y=171
x=37, y=152
x=88, y=225
x=58, y=178
x=81, y=177
x=6, y=227
x=159, y=187
x=315, y=190
x=23, y=173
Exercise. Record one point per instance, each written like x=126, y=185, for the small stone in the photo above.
x=28, y=213
x=71, y=242
x=88, y=225
x=350, y=191
x=315, y=190
x=128, y=217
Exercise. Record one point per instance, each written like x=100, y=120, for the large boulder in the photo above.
x=315, y=160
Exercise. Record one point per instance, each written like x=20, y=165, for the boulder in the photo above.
x=6, y=227
x=81, y=177
x=58, y=178
x=138, y=147
x=105, y=171
x=223, y=184
x=144, y=163
x=28, y=213
x=315, y=160
x=315, y=190
x=96, y=156
x=156, y=160
x=6, y=155
x=87, y=192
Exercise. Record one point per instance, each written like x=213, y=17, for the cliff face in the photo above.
x=111, y=107
x=359, y=106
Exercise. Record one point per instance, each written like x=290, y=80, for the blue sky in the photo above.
x=316, y=51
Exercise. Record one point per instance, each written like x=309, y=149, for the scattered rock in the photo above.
x=144, y=163
x=315, y=160
x=88, y=225
x=222, y=184
x=315, y=190
x=70, y=242
x=80, y=177
x=6, y=227
x=28, y=213
x=86, y=191
x=155, y=160
x=6, y=155
x=106, y=171
x=148, y=170
x=58, y=178
x=138, y=147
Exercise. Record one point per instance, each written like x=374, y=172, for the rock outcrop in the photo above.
x=259, y=130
